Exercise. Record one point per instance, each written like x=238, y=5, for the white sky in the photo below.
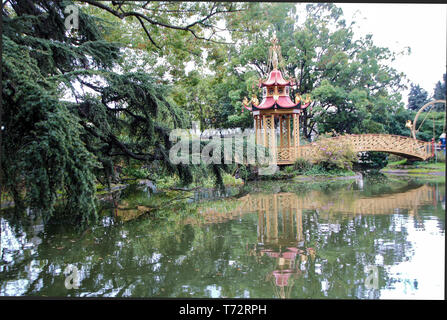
x=422, y=27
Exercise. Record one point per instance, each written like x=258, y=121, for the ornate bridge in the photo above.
x=399, y=145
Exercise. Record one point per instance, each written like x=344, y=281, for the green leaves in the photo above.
x=54, y=150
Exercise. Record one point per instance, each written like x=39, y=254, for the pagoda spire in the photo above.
x=274, y=53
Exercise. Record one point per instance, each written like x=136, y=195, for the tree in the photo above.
x=73, y=109
x=42, y=152
x=440, y=91
x=353, y=88
x=417, y=97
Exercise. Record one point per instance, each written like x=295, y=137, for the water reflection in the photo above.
x=280, y=224
x=280, y=243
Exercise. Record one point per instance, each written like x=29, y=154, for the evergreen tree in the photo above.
x=440, y=92
x=59, y=140
x=417, y=97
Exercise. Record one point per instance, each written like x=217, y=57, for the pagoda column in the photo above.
x=275, y=218
x=288, y=132
x=281, y=134
x=272, y=142
x=260, y=134
x=256, y=126
x=296, y=134
x=260, y=226
x=265, y=127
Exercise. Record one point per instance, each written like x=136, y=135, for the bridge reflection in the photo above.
x=280, y=234
x=347, y=202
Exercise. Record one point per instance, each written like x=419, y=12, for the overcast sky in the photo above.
x=422, y=27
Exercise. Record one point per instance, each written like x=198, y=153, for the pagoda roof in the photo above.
x=283, y=102
x=275, y=79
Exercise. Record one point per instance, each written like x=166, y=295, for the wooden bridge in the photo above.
x=402, y=146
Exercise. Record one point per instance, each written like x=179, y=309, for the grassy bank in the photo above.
x=416, y=167
x=425, y=170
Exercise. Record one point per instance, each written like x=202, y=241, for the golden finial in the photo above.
x=297, y=98
x=245, y=101
x=275, y=52
x=308, y=100
x=255, y=100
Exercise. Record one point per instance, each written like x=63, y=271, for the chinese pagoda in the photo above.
x=277, y=110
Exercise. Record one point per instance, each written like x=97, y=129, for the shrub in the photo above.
x=302, y=165
x=229, y=180
x=332, y=154
x=373, y=160
x=137, y=173
x=316, y=170
x=289, y=169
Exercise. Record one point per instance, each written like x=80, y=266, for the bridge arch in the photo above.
x=403, y=146
x=414, y=130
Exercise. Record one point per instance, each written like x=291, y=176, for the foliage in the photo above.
x=353, y=87
x=301, y=165
x=440, y=92
x=230, y=180
x=317, y=170
x=136, y=173
x=417, y=97
x=42, y=150
x=440, y=157
x=78, y=104
x=332, y=154
x=75, y=108
x=372, y=160
x=425, y=124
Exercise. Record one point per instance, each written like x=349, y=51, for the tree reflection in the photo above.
x=312, y=244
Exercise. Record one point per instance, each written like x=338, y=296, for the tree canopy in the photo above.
x=417, y=97
x=440, y=92
x=72, y=107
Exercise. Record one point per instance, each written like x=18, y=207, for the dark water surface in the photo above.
x=377, y=240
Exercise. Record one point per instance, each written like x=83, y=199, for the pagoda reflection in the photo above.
x=280, y=237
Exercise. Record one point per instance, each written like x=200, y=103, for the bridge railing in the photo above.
x=375, y=142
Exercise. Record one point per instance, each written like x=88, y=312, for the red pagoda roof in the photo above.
x=282, y=102
x=276, y=79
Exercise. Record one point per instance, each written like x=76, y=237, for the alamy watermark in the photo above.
x=193, y=148
x=72, y=19
x=372, y=280
x=72, y=277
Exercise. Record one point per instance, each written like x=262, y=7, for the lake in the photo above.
x=365, y=239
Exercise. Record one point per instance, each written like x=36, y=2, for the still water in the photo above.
x=352, y=240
